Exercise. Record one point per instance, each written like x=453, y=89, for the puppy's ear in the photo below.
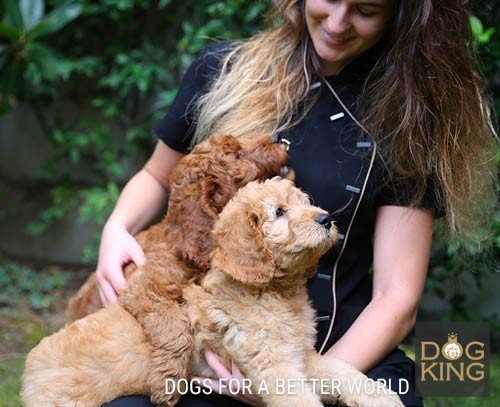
x=214, y=195
x=241, y=251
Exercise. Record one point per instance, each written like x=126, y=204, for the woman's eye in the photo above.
x=366, y=11
x=280, y=212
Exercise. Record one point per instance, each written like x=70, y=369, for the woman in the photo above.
x=382, y=106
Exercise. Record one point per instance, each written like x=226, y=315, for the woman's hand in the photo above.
x=118, y=247
x=142, y=199
x=239, y=386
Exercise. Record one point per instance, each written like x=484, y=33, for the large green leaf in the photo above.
x=9, y=32
x=13, y=17
x=32, y=12
x=476, y=26
x=50, y=65
x=481, y=34
x=11, y=84
x=57, y=19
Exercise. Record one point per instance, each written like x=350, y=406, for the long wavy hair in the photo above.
x=422, y=100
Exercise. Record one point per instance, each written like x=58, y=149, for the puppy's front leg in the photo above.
x=170, y=333
x=282, y=384
x=152, y=297
x=342, y=383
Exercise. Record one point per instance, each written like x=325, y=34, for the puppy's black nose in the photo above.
x=325, y=220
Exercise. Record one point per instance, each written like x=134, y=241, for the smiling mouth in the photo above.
x=335, y=39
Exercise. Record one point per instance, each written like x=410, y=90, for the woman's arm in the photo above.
x=402, y=245
x=146, y=193
x=140, y=201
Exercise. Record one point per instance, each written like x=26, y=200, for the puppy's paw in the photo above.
x=382, y=397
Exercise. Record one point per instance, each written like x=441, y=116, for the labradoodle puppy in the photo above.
x=133, y=346
x=200, y=186
x=252, y=306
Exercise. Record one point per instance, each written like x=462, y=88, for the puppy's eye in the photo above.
x=280, y=212
x=239, y=155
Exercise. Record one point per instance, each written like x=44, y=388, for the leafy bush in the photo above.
x=119, y=63
x=19, y=282
x=23, y=51
x=487, y=33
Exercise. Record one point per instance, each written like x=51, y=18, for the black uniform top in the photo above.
x=330, y=155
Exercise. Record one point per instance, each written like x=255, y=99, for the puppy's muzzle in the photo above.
x=325, y=220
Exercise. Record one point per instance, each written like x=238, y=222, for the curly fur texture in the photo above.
x=252, y=306
x=110, y=353
x=200, y=186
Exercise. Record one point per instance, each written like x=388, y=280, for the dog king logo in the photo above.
x=452, y=350
x=456, y=367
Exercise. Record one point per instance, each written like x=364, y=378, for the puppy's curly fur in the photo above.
x=110, y=353
x=200, y=186
x=252, y=306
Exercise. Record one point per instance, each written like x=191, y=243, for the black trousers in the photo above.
x=186, y=401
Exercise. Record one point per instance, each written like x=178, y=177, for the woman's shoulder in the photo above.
x=213, y=55
x=218, y=49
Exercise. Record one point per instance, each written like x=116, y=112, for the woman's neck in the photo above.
x=333, y=68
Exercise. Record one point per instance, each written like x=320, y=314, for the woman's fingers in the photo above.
x=106, y=292
x=216, y=365
x=137, y=254
x=229, y=382
x=116, y=280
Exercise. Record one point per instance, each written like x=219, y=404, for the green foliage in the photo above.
x=11, y=371
x=18, y=282
x=455, y=266
x=23, y=28
x=485, y=29
x=458, y=269
x=118, y=64
x=481, y=35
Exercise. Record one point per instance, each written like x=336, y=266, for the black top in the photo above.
x=330, y=155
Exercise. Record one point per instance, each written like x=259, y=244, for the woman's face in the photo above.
x=341, y=30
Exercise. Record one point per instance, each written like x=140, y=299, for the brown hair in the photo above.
x=422, y=100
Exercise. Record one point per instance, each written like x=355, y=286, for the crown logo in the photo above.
x=452, y=350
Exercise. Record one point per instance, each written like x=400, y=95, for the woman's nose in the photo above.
x=338, y=20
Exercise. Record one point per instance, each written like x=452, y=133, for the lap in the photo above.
x=212, y=400
x=397, y=369
x=188, y=400
x=130, y=401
